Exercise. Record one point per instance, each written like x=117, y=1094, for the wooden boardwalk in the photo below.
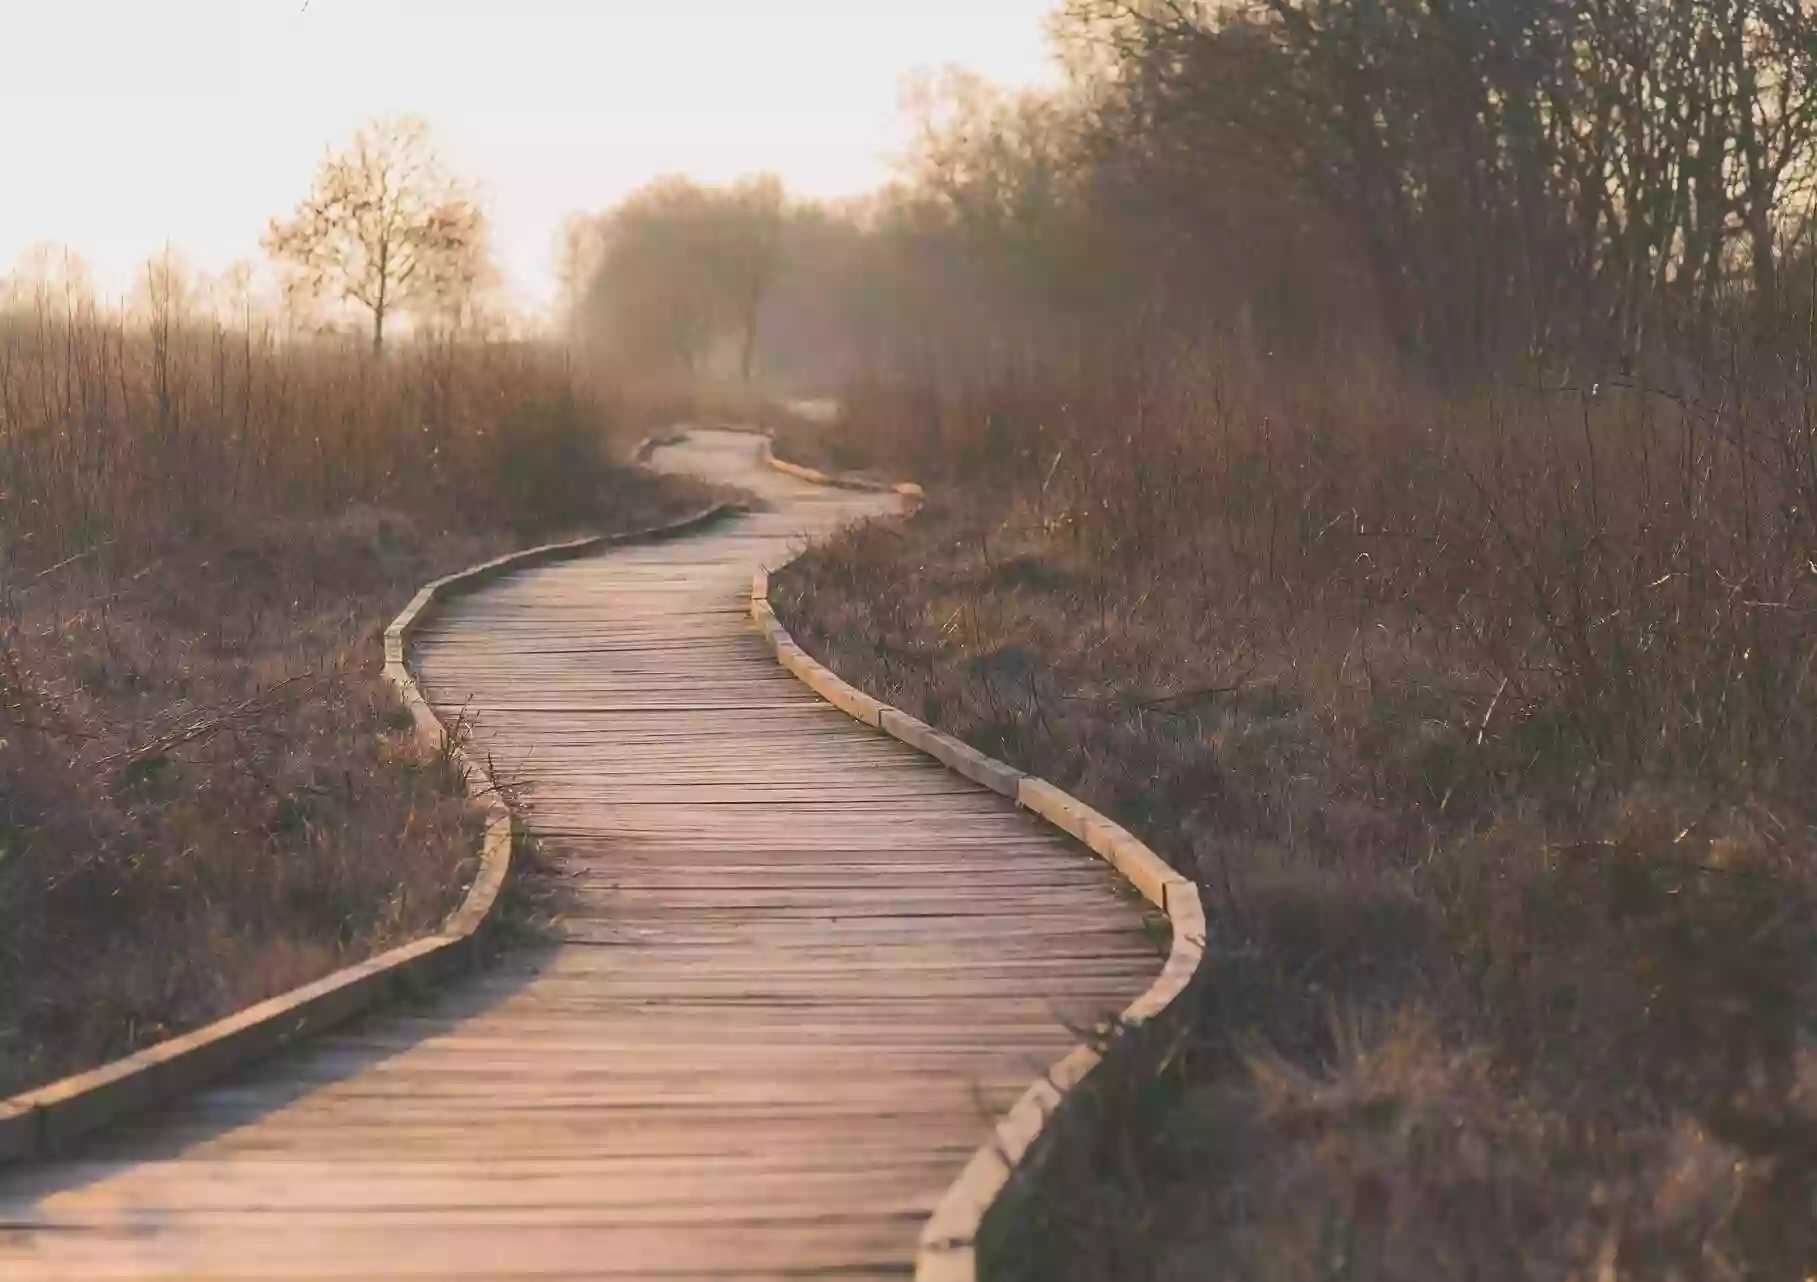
x=803, y=968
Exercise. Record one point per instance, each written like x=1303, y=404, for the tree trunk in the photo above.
x=1764, y=252
x=750, y=346
x=380, y=295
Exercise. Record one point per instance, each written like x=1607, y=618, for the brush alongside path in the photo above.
x=802, y=969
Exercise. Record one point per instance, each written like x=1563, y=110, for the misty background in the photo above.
x=195, y=121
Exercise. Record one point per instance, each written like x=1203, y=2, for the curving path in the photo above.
x=803, y=968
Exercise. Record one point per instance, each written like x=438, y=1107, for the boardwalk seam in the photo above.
x=947, y=1249
x=43, y=1121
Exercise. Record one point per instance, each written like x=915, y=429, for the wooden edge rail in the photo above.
x=947, y=1251
x=767, y=453
x=43, y=1121
x=642, y=451
x=814, y=476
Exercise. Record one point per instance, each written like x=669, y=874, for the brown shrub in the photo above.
x=208, y=792
x=1486, y=726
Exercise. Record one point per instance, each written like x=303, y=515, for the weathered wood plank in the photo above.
x=802, y=970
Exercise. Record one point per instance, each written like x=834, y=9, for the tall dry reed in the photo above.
x=1487, y=724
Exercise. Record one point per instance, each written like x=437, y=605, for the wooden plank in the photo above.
x=803, y=971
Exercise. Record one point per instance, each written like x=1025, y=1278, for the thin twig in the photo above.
x=208, y=725
x=71, y=560
x=1483, y=729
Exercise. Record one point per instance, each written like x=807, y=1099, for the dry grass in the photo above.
x=208, y=792
x=1487, y=729
x=815, y=434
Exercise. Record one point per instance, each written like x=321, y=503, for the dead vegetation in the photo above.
x=208, y=793
x=1486, y=727
x=1373, y=456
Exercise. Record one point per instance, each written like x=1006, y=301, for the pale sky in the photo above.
x=128, y=123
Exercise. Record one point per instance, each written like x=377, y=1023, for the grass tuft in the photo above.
x=209, y=793
x=1486, y=727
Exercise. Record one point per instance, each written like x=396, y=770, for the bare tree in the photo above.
x=676, y=270
x=1586, y=178
x=384, y=227
x=579, y=248
x=651, y=295
x=749, y=248
x=48, y=272
x=165, y=299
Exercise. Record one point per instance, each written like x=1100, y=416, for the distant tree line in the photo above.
x=676, y=271
x=1508, y=175
x=1467, y=184
x=385, y=233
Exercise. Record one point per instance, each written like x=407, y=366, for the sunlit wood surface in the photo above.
x=802, y=969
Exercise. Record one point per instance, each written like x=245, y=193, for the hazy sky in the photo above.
x=124, y=123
